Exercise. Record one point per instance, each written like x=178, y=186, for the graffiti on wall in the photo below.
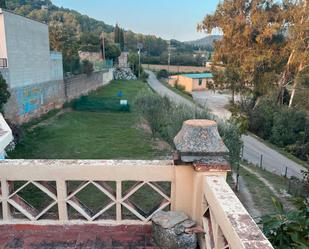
x=29, y=99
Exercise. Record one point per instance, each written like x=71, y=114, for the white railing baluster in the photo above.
x=5, y=189
x=118, y=200
x=62, y=197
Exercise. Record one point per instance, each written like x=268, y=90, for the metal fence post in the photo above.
x=261, y=162
x=286, y=172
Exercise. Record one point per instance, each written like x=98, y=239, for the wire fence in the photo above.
x=296, y=184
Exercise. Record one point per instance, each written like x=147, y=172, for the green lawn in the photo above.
x=91, y=135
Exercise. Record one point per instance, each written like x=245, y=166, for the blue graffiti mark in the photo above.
x=29, y=99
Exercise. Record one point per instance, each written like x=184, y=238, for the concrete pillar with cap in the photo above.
x=200, y=147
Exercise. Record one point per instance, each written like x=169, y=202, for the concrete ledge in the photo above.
x=75, y=236
x=237, y=225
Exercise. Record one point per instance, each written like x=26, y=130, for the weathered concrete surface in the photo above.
x=169, y=231
x=235, y=222
x=75, y=237
x=169, y=219
x=200, y=137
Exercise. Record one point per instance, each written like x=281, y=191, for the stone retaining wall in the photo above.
x=77, y=86
x=32, y=101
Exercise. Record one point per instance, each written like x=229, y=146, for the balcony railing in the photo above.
x=3, y=63
x=69, y=192
x=47, y=192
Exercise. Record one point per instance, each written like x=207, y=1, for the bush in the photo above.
x=4, y=93
x=163, y=74
x=288, y=229
x=261, y=118
x=144, y=76
x=87, y=67
x=285, y=127
x=166, y=119
x=288, y=127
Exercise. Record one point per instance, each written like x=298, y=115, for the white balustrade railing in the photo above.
x=125, y=192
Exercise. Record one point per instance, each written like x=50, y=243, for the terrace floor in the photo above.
x=76, y=237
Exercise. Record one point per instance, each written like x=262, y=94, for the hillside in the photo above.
x=207, y=41
x=71, y=31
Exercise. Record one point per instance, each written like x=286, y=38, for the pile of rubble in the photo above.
x=124, y=74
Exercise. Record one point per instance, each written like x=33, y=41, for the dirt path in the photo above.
x=282, y=197
x=50, y=120
x=246, y=199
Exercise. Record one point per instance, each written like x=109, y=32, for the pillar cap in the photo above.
x=198, y=139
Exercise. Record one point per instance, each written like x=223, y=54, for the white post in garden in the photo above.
x=6, y=136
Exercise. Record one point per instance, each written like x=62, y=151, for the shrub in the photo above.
x=288, y=127
x=87, y=67
x=4, y=93
x=163, y=74
x=166, y=119
x=144, y=76
x=285, y=127
x=288, y=230
x=261, y=118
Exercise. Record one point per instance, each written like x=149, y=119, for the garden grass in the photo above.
x=90, y=135
x=261, y=194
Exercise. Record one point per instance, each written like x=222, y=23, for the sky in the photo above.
x=169, y=19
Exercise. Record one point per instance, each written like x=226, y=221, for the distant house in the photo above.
x=33, y=73
x=193, y=82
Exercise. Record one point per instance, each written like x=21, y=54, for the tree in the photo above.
x=3, y=4
x=253, y=42
x=229, y=78
x=121, y=39
x=298, y=42
x=4, y=93
x=87, y=67
x=112, y=51
x=117, y=34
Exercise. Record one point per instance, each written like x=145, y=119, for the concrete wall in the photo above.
x=82, y=84
x=56, y=66
x=34, y=100
x=28, y=53
x=3, y=51
x=190, y=84
x=197, y=86
x=34, y=74
x=5, y=74
x=187, y=83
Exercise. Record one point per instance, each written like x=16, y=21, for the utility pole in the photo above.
x=169, y=61
x=102, y=46
x=139, y=47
